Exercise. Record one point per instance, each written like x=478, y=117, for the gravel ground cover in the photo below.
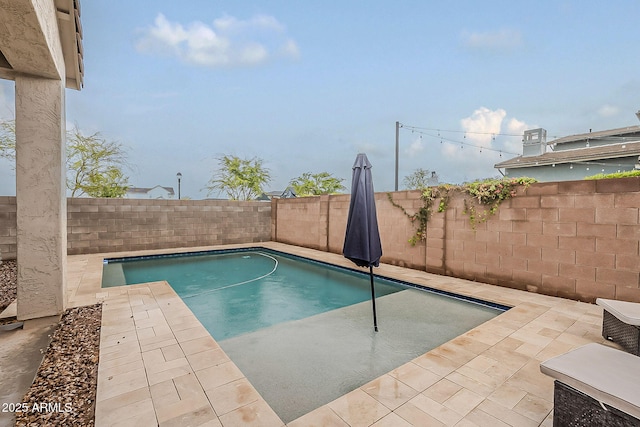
x=63, y=392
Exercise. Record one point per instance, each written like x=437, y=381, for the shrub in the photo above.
x=625, y=174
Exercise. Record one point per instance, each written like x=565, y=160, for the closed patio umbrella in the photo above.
x=362, y=238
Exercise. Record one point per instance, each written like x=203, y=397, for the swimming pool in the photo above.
x=301, y=330
x=237, y=292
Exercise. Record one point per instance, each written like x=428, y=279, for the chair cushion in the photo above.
x=608, y=375
x=625, y=311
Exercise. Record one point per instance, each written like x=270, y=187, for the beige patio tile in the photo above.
x=118, y=338
x=164, y=393
x=183, y=322
x=155, y=362
x=532, y=381
x=534, y=407
x=391, y=420
x=437, y=364
x=459, y=354
x=470, y=383
x=173, y=369
x=121, y=368
x=491, y=381
x=469, y=344
x=481, y=374
x=530, y=350
x=126, y=359
x=172, y=352
x=146, y=333
x=117, y=327
x=508, y=359
x=191, y=333
x=507, y=395
x=115, y=385
x=466, y=423
x=415, y=376
x=389, y=391
x=548, y=422
x=123, y=406
x=482, y=419
x=202, y=417
x=218, y=375
x=231, y=396
x=142, y=417
x=504, y=414
x=357, y=408
x=442, y=390
x=417, y=417
x=156, y=342
x=254, y=414
x=321, y=417
x=208, y=358
x=463, y=401
x=198, y=345
x=440, y=412
x=192, y=406
x=489, y=337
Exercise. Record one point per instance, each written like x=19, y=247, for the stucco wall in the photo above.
x=576, y=239
x=113, y=225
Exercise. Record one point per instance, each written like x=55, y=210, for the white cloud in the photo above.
x=500, y=40
x=608, y=110
x=227, y=42
x=484, y=143
x=290, y=49
x=515, y=127
x=415, y=148
x=483, y=125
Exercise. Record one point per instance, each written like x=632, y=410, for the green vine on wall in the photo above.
x=488, y=192
x=421, y=217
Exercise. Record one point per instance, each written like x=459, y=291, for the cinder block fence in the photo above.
x=116, y=225
x=576, y=239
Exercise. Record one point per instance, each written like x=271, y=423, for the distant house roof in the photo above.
x=144, y=190
x=611, y=151
x=286, y=194
x=629, y=132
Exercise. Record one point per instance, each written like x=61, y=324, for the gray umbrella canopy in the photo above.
x=362, y=239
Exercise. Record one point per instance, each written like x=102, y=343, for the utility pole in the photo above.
x=397, y=151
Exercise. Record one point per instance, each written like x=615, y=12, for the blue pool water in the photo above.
x=240, y=292
x=302, y=331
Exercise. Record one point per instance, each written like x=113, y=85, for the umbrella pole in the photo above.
x=373, y=300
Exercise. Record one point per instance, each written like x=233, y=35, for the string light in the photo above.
x=424, y=131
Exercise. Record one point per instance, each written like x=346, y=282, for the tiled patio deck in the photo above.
x=159, y=366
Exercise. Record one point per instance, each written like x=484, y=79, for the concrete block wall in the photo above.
x=8, y=227
x=574, y=239
x=302, y=221
x=115, y=225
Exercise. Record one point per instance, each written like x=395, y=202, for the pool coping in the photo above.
x=159, y=366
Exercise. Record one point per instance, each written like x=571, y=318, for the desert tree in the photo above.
x=239, y=179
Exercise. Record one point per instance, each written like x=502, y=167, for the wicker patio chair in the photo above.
x=595, y=385
x=621, y=323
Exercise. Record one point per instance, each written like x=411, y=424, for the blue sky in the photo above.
x=305, y=86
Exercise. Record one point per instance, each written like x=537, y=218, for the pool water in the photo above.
x=302, y=331
x=240, y=292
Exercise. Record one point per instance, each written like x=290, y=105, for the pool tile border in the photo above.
x=159, y=366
